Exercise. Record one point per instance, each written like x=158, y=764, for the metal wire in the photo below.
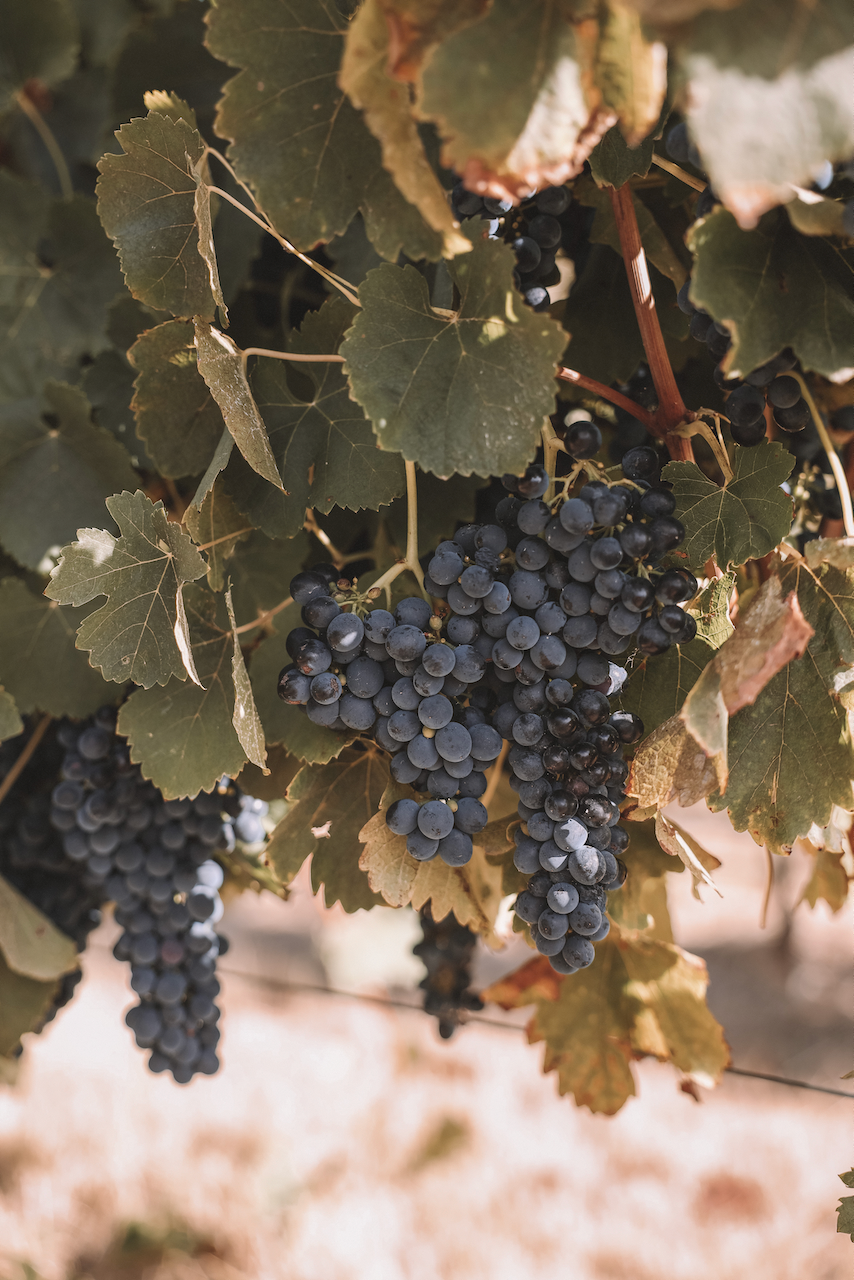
x=390, y=1002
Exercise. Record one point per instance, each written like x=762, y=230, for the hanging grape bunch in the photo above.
x=530, y=611
x=535, y=230
x=83, y=828
x=446, y=950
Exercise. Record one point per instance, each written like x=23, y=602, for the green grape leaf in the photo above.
x=39, y=664
x=54, y=450
x=658, y=686
x=217, y=526
x=147, y=204
x=221, y=365
x=630, y=70
x=182, y=736
x=790, y=754
x=321, y=439
x=261, y=571
x=454, y=391
x=774, y=288
x=386, y=109
x=31, y=944
x=743, y=521
x=245, y=719
x=288, y=725
x=140, y=633
x=24, y=1002
x=511, y=97
x=58, y=276
x=845, y=1220
x=107, y=384
x=613, y=161
x=711, y=611
x=11, y=723
x=325, y=164
x=176, y=416
x=104, y=27
x=768, y=97
x=329, y=805
x=604, y=339
x=38, y=41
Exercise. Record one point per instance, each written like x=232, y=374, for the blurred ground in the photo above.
x=344, y=1141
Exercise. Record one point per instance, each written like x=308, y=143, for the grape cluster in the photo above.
x=394, y=675
x=154, y=859
x=535, y=231
x=529, y=612
x=32, y=858
x=446, y=950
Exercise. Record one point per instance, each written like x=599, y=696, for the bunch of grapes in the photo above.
x=32, y=858
x=446, y=951
x=535, y=231
x=154, y=859
x=528, y=613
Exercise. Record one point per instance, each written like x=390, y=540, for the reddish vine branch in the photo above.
x=671, y=412
x=615, y=397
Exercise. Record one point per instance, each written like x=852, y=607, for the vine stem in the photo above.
x=43, y=129
x=290, y=355
x=832, y=457
x=551, y=449
x=263, y=618
x=410, y=560
x=615, y=397
x=671, y=411
x=267, y=226
x=495, y=776
x=669, y=167
x=24, y=758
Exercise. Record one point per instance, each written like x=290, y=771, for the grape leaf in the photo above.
x=766, y=61
x=828, y=881
x=107, y=384
x=845, y=1210
x=417, y=24
x=743, y=521
x=513, y=99
x=31, y=944
x=642, y=996
x=147, y=203
x=791, y=756
x=39, y=664
x=11, y=723
x=221, y=365
x=774, y=288
x=613, y=161
x=38, y=41
x=217, y=526
x=329, y=805
x=58, y=275
x=386, y=111
x=104, y=27
x=288, y=725
x=658, y=686
x=176, y=415
x=54, y=450
x=324, y=163
x=631, y=71
x=135, y=635
x=464, y=391
x=245, y=719
x=322, y=441
x=24, y=1002
x=182, y=736
x=261, y=571
x=472, y=892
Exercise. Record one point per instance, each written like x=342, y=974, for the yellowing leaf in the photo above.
x=386, y=110
x=670, y=764
x=32, y=944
